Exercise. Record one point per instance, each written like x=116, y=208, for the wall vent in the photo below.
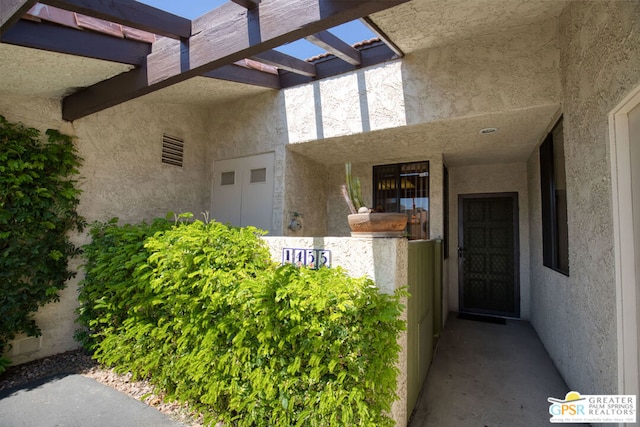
x=172, y=150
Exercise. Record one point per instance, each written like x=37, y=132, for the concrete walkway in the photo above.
x=76, y=401
x=488, y=375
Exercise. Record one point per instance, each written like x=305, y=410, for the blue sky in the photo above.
x=351, y=32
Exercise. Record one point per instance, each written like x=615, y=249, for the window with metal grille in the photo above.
x=172, y=150
x=404, y=187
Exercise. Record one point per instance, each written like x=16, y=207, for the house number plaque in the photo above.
x=312, y=258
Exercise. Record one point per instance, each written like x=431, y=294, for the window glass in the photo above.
x=555, y=237
x=228, y=178
x=258, y=175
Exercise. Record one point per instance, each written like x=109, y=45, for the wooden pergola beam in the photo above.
x=130, y=13
x=336, y=46
x=235, y=73
x=11, y=11
x=221, y=37
x=286, y=62
x=249, y=4
x=368, y=22
x=56, y=38
x=331, y=66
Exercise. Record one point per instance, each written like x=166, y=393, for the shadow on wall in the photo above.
x=362, y=101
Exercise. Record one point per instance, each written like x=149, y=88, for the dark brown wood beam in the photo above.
x=336, y=46
x=56, y=38
x=286, y=62
x=221, y=37
x=368, y=22
x=331, y=66
x=11, y=11
x=130, y=13
x=249, y=4
x=235, y=73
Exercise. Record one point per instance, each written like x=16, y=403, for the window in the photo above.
x=555, y=238
x=445, y=214
x=404, y=188
x=258, y=175
x=228, y=178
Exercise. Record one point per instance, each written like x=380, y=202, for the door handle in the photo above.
x=460, y=252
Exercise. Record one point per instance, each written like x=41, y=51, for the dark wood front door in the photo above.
x=488, y=255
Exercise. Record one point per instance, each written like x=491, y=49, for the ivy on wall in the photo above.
x=38, y=200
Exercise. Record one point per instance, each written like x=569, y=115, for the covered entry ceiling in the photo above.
x=459, y=140
x=233, y=42
x=413, y=26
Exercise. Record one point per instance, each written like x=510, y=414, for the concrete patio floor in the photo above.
x=488, y=375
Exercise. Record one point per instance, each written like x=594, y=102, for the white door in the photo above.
x=243, y=191
x=625, y=165
x=634, y=149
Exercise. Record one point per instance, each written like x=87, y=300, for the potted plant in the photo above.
x=367, y=222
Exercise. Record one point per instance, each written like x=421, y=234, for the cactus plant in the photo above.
x=352, y=191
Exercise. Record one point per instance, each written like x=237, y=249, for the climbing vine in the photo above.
x=38, y=201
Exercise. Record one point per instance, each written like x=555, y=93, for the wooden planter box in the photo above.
x=377, y=224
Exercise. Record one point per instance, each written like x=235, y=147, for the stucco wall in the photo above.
x=306, y=194
x=495, y=72
x=480, y=179
x=575, y=316
x=121, y=175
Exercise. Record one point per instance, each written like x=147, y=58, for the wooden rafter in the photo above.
x=130, y=13
x=330, y=66
x=249, y=4
x=56, y=38
x=286, y=62
x=221, y=37
x=11, y=11
x=368, y=22
x=336, y=46
x=235, y=73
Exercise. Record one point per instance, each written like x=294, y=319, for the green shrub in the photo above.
x=38, y=201
x=211, y=320
x=109, y=284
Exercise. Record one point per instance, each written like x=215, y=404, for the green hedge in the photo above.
x=201, y=310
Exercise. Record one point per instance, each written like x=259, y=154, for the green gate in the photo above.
x=424, y=312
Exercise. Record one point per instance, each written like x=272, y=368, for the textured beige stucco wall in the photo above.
x=492, y=73
x=305, y=194
x=385, y=261
x=575, y=316
x=122, y=176
x=480, y=179
x=351, y=103
x=504, y=70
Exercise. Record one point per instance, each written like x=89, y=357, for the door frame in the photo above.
x=516, y=249
x=624, y=244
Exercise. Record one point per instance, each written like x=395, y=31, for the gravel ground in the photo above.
x=78, y=362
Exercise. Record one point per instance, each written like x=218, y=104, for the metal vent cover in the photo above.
x=172, y=150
